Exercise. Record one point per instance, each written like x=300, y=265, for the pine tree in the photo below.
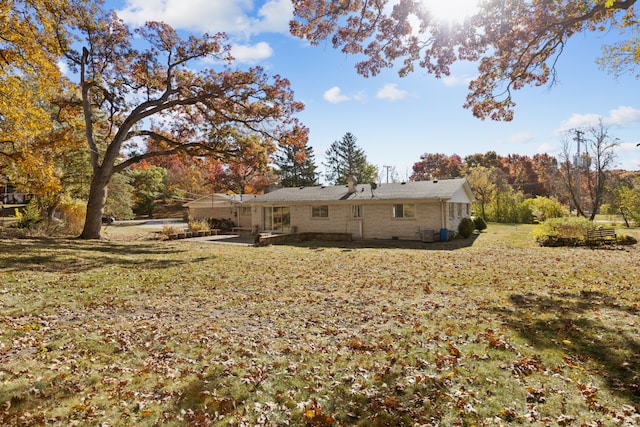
x=345, y=159
x=296, y=166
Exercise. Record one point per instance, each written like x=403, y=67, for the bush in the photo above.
x=479, y=223
x=466, y=227
x=198, y=225
x=565, y=231
x=624, y=239
x=169, y=229
x=544, y=208
x=72, y=213
x=29, y=216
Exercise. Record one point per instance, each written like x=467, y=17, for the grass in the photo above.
x=496, y=331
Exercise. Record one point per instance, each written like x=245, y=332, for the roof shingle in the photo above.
x=441, y=189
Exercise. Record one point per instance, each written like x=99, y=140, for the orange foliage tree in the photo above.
x=515, y=42
x=34, y=131
x=154, y=91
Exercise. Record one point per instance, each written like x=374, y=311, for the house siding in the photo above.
x=436, y=205
x=377, y=220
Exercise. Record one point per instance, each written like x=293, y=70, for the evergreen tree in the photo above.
x=345, y=159
x=293, y=168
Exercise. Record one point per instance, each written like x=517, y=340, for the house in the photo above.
x=222, y=207
x=421, y=210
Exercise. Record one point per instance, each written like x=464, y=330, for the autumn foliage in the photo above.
x=516, y=43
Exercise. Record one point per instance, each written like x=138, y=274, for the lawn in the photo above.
x=496, y=331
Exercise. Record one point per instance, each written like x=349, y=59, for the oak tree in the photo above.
x=157, y=89
x=248, y=172
x=515, y=42
x=436, y=166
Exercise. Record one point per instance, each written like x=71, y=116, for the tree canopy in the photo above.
x=295, y=166
x=156, y=89
x=34, y=130
x=516, y=43
x=345, y=159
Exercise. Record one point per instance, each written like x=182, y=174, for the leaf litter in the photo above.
x=198, y=334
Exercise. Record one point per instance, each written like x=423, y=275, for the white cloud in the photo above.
x=251, y=54
x=335, y=96
x=238, y=17
x=621, y=116
x=521, y=137
x=391, y=92
x=62, y=66
x=451, y=81
x=275, y=15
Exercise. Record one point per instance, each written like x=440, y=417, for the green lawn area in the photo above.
x=496, y=331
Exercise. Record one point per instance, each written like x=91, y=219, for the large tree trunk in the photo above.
x=95, y=206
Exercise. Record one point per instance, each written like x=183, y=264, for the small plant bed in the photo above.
x=577, y=232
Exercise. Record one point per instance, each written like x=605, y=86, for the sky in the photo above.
x=394, y=119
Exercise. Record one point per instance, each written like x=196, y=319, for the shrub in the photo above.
x=168, y=229
x=544, y=208
x=29, y=216
x=623, y=239
x=466, y=227
x=72, y=212
x=200, y=225
x=565, y=231
x=479, y=223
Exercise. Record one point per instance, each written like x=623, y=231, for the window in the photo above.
x=404, y=211
x=459, y=209
x=356, y=211
x=452, y=210
x=320, y=211
x=277, y=218
x=245, y=210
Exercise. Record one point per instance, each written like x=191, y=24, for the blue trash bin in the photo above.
x=444, y=235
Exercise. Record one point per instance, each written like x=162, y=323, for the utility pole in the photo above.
x=578, y=164
x=387, y=168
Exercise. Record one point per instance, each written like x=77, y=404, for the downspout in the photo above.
x=238, y=207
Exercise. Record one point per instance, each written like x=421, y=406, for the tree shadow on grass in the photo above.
x=69, y=256
x=589, y=327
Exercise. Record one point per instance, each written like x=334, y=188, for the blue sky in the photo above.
x=397, y=119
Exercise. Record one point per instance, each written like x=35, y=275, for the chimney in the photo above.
x=351, y=184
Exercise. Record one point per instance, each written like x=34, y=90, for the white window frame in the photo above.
x=320, y=212
x=408, y=211
x=356, y=211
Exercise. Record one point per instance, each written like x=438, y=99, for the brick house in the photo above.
x=421, y=210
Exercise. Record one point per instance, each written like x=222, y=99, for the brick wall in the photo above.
x=377, y=220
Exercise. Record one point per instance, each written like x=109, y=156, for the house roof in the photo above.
x=414, y=190
x=219, y=198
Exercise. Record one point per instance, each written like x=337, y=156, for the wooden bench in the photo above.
x=602, y=235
